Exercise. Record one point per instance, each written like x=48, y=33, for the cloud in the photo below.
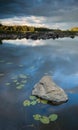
x=49, y=13
x=39, y=22
x=25, y=42
x=35, y=7
x=29, y=20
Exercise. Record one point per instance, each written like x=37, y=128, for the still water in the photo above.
x=25, y=62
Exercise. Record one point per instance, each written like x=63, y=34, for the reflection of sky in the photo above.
x=48, y=57
x=57, y=58
x=50, y=13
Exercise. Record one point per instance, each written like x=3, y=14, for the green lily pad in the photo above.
x=26, y=103
x=53, y=117
x=38, y=100
x=7, y=84
x=23, y=76
x=44, y=120
x=33, y=102
x=15, y=81
x=32, y=97
x=24, y=81
x=37, y=117
x=44, y=101
x=20, y=86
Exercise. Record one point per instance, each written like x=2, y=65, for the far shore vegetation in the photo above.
x=25, y=29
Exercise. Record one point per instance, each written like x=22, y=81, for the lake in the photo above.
x=22, y=64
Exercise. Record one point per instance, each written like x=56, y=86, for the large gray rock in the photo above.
x=47, y=89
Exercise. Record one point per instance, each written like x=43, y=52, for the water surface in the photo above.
x=34, y=59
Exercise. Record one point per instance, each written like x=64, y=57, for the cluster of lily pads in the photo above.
x=33, y=101
x=19, y=81
x=45, y=119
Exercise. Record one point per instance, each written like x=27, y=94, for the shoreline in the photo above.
x=37, y=35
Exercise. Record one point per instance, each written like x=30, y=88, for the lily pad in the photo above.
x=15, y=80
x=44, y=101
x=20, y=86
x=37, y=117
x=53, y=117
x=26, y=103
x=17, y=83
x=38, y=100
x=44, y=120
x=7, y=84
x=32, y=97
x=24, y=81
x=33, y=103
x=23, y=76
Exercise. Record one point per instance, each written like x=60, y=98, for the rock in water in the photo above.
x=47, y=89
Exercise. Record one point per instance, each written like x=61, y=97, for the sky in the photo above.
x=59, y=14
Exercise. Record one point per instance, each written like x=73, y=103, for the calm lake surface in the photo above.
x=24, y=62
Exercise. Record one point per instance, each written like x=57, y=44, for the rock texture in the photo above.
x=47, y=89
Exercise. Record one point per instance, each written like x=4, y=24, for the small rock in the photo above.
x=48, y=90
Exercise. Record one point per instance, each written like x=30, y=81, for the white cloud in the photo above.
x=25, y=42
x=50, y=22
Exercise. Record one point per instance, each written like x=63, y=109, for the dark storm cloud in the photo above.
x=10, y=8
x=50, y=13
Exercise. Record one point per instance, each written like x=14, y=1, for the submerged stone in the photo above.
x=48, y=90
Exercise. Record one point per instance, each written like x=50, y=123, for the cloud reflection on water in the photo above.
x=58, y=58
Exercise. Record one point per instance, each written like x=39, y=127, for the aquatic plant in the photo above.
x=45, y=119
x=15, y=80
x=17, y=83
x=33, y=103
x=19, y=80
x=20, y=86
x=26, y=103
x=36, y=117
x=34, y=100
x=43, y=101
x=7, y=84
x=53, y=117
x=32, y=97
x=24, y=81
x=23, y=76
x=38, y=100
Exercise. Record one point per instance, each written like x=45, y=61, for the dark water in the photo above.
x=57, y=58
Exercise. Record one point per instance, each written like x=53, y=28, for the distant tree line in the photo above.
x=24, y=29
x=4, y=28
